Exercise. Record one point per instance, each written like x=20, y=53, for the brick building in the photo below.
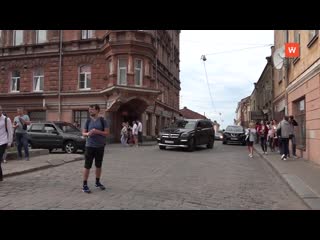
x=56, y=74
x=298, y=85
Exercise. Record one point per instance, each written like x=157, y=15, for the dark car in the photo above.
x=56, y=135
x=187, y=133
x=234, y=134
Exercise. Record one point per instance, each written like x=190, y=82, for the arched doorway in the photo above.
x=128, y=112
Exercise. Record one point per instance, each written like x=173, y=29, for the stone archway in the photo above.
x=129, y=111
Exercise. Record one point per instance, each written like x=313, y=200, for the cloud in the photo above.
x=230, y=75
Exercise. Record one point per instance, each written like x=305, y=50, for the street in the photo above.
x=222, y=178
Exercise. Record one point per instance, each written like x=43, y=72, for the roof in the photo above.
x=189, y=114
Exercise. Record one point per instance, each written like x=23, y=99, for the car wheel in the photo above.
x=70, y=147
x=210, y=144
x=191, y=145
x=162, y=147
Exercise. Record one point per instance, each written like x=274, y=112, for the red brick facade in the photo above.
x=130, y=74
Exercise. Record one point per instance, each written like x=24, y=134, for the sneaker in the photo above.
x=27, y=159
x=284, y=159
x=99, y=185
x=266, y=153
x=295, y=156
x=283, y=156
x=86, y=189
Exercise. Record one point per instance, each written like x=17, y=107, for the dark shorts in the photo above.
x=93, y=153
x=250, y=144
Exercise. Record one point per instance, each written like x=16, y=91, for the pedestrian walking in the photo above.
x=284, y=130
x=263, y=133
x=135, y=133
x=124, y=134
x=20, y=123
x=5, y=137
x=292, y=135
x=96, y=129
x=251, y=135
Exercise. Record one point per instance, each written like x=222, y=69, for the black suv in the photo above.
x=53, y=135
x=234, y=134
x=187, y=133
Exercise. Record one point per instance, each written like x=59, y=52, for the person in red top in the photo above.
x=263, y=134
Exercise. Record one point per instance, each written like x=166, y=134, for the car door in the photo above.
x=199, y=133
x=35, y=135
x=52, y=138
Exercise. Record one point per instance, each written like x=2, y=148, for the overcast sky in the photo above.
x=230, y=75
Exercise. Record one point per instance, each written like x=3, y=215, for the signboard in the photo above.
x=256, y=115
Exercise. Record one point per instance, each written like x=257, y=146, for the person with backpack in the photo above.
x=251, y=135
x=5, y=137
x=20, y=125
x=96, y=129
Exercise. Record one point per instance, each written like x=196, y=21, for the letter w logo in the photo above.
x=292, y=50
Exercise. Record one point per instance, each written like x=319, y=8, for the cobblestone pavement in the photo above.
x=149, y=178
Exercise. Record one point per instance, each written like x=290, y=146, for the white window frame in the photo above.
x=16, y=80
x=15, y=42
x=136, y=69
x=110, y=67
x=86, y=74
x=123, y=68
x=38, y=40
x=0, y=37
x=86, y=34
x=39, y=78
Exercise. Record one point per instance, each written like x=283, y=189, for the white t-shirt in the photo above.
x=139, y=127
x=135, y=129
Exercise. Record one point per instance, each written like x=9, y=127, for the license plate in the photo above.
x=234, y=138
x=166, y=141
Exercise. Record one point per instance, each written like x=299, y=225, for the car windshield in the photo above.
x=67, y=127
x=184, y=124
x=234, y=129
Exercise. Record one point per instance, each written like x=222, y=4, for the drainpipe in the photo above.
x=60, y=75
x=157, y=84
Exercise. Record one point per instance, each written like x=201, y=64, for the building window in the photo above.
x=15, y=81
x=300, y=117
x=86, y=34
x=80, y=117
x=122, y=71
x=297, y=40
x=138, y=72
x=110, y=67
x=17, y=37
x=85, y=77
x=41, y=36
x=313, y=35
x=0, y=38
x=286, y=36
x=38, y=80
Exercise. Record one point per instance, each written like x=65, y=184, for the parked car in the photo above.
x=188, y=134
x=234, y=134
x=56, y=135
x=218, y=136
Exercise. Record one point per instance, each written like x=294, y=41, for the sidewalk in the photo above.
x=17, y=167
x=46, y=160
x=301, y=175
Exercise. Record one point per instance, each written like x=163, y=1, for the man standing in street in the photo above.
x=20, y=123
x=139, y=131
x=5, y=136
x=96, y=130
x=284, y=127
x=292, y=136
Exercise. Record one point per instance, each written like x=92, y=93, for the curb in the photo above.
x=312, y=205
x=41, y=168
